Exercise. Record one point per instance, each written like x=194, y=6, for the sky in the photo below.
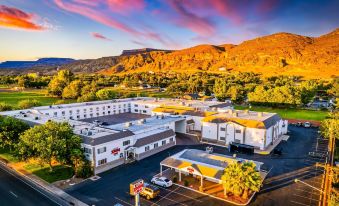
x=85, y=29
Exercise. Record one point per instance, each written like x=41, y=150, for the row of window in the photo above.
x=143, y=111
x=224, y=129
x=156, y=145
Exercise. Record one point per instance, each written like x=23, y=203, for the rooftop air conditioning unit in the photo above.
x=128, y=124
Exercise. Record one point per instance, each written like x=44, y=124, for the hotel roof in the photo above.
x=261, y=120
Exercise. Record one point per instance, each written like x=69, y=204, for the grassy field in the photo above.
x=289, y=113
x=60, y=172
x=13, y=97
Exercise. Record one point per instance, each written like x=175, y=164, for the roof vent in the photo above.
x=142, y=121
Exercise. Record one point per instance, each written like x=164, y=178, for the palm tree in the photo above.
x=241, y=179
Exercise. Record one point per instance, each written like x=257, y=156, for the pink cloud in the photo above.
x=99, y=36
x=15, y=18
x=98, y=15
x=187, y=18
x=126, y=6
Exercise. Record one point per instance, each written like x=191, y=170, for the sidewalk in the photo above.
x=58, y=195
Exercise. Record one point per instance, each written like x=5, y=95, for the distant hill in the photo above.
x=276, y=54
x=39, y=63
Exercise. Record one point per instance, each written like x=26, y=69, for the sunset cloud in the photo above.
x=96, y=13
x=15, y=18
x=99, y=36
x=126, y=6
x=190, y=20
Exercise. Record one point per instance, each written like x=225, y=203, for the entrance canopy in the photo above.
x=201, y=163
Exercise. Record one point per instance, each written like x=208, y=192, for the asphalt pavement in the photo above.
x=279, y=187
x=16, y=192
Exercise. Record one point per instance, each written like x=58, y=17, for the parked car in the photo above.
x=299, y=124
x=148, y=191
x=307, y=124
x=162, y=181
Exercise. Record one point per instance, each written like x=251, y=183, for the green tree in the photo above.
x=241, y=179
x=330, y=126
x=10, y=130
x=28, y=103
x=48, y=142
x=59, y=82
x=73, y=90
x=105, y=94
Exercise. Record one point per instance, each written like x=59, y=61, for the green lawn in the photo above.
x=14, y=97
x=60, y=172
x=290, y=113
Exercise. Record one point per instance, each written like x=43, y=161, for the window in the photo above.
x=163, y=142
x=47, y=114
x=63, y=113
x=70, y=111
x=87, y=150
x=222, y=129
x=103, y=108
x=222, y=138
x=103, y=113
x=91, y=109
x=97, y=108
x=55, y=113
x=135, y=105
x=97, y=113
x=156, y=145
x=78, y=111
x=121, y=155
x=108, y=107
x=136, y=110
x=146, y=106
x=146, y=148
x=91, y=115
x=237, y=131
x=171, y=139
x=109, y=112
x=78, y=116
x=103, y=161
x=101, y=150
x=127, y=142
x=144, y=111
x=85, y=115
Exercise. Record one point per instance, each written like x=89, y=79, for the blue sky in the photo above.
x=83, y=29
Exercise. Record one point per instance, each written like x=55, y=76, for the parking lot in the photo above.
x=279, y=187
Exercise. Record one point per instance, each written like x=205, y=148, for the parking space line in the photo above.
x=299, y=203
x=123, y=201
x=311, y=193
x=182, y=194
x=142, y=198
x=306, y=197
x=164, y=197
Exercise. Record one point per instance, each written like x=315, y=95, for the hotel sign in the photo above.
x=115, y=151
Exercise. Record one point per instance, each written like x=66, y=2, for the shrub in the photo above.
x=84, y=169
x=28, y=103
x=175, y=179
x=61, y=101
x=5, y=107
x=186, y=183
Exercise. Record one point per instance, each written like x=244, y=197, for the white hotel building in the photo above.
x=125, y=139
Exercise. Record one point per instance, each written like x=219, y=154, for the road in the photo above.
x=14, y=191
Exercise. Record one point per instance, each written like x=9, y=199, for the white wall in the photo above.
x=209, y=131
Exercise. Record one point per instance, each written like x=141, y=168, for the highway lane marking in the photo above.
x=12, y=193
x=123, y=201
x=5, y=169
